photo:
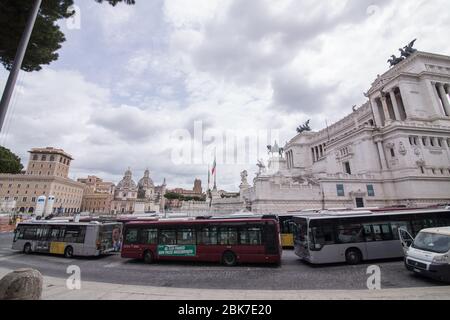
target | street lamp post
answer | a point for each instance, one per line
(20, 54)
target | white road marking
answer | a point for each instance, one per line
(112, 265)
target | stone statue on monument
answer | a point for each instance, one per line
(304, 127)
(394, 60)
(405, 52)
(244, 175)
(261, 167)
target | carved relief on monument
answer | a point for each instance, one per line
(306, 180)
(402, 149)
(417, 151)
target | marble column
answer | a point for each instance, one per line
(291, 157)
(395, 105)
(382, 155)
(376, 112)
(444, 98)
(404, 101)
(387, 116)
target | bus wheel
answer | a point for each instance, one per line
(148, 257)
(353, 256)
(68, 253)
(27, 248)
(229, 259)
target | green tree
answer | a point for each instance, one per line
(9, 162)
(47, 36)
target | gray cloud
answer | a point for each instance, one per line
(128, 123)
(233, 47)
(292, 93)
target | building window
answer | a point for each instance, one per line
(392, 152)
(439, 140)
(24, 199)
(347, 168)
(44, 158)
(52, 158)
(432, 142)
(424, 141)
(340, 190)
(413, 141)
(35, 157)
(370, 190)
(33, 199)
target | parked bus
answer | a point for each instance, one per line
(67, 238)
(332, 237)
(286, 230)
(229, 241)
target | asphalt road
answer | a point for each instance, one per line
(293, 274)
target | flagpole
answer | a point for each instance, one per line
(215, 169)
(209, 178)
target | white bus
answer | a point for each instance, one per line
(333, 237)
(67, 238)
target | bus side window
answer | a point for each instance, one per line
(186, 236)
(348, 233)
(368, 233)
(167, 237)
(131, 236)
(208, 236)
(74, 234)
(30, 233)
(227, 236)
(42, 232)
(250, 236)
(149, 236)
(399, 225)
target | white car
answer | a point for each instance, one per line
(428, 254)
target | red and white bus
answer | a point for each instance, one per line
(228, 241)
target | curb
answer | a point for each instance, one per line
(56, 289)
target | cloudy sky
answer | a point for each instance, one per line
(157, 84)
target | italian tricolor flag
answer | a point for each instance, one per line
(213, 171)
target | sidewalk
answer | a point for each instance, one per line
(55, 289)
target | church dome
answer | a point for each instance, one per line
(146, 182)
(127, 181)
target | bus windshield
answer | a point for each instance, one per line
(301, 232)
(432, 242)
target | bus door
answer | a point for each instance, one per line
(271, 239)
(405, 238)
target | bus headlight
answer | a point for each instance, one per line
(441, 259)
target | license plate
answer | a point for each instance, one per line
(417, 270)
